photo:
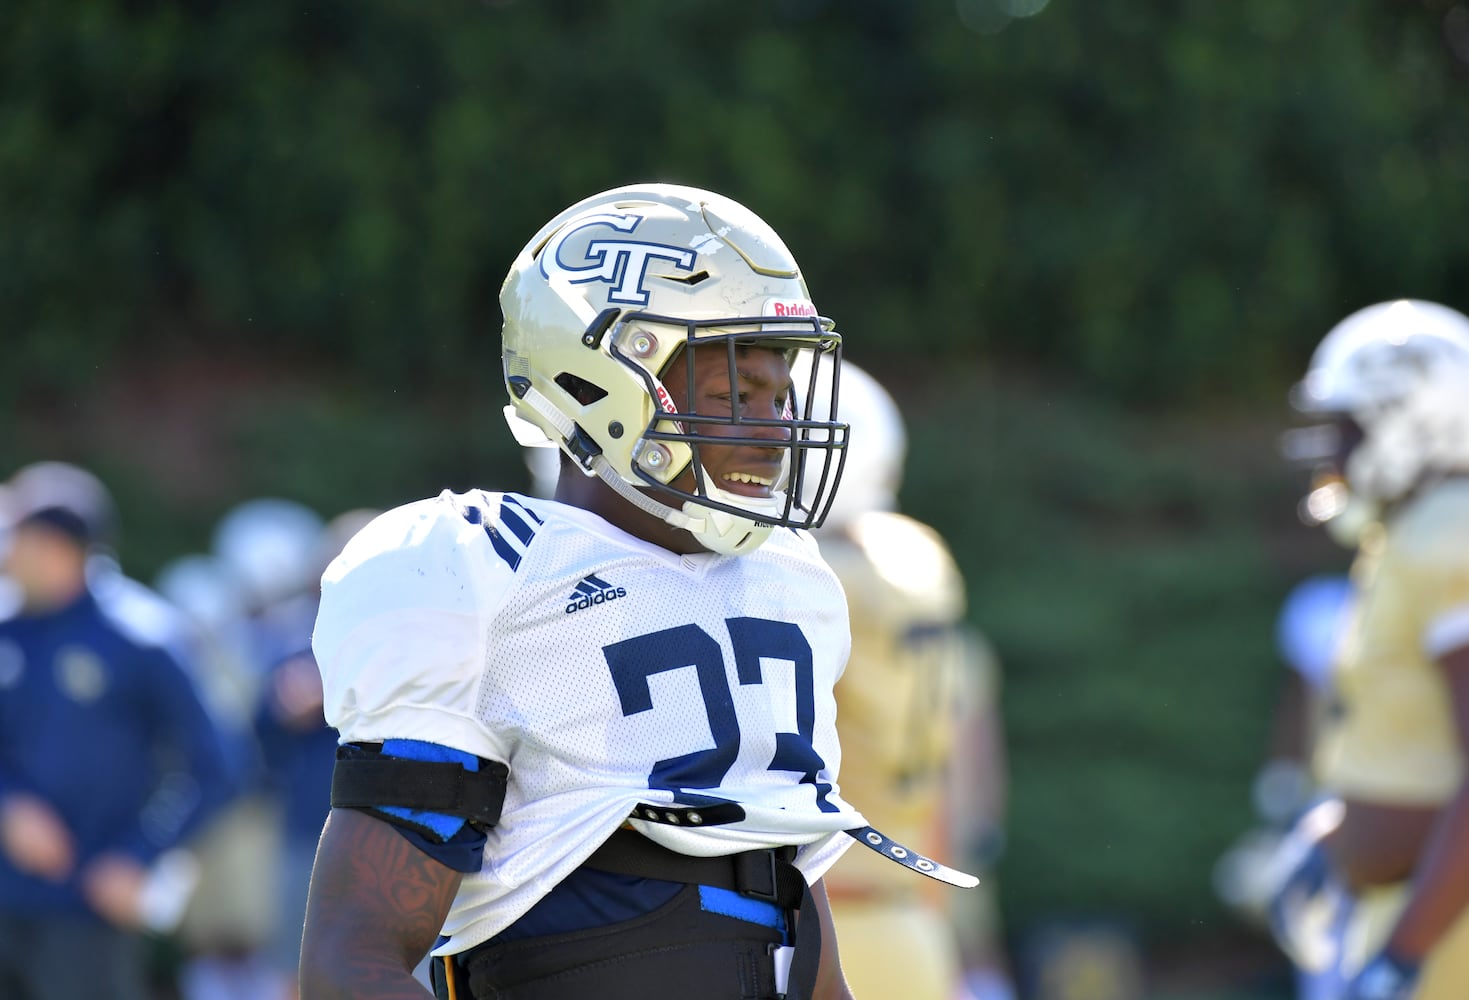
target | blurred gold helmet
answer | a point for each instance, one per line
(601, 301)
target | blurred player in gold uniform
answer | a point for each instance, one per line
(919, 733)
(1385, 865)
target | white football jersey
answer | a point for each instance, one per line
(603, 670)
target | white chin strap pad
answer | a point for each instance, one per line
(725, 533)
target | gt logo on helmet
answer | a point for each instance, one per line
(621, 263)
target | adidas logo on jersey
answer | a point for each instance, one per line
(592, 590)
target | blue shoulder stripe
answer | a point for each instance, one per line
(503, 548)
(508, 499)
(510, 520)
(518, 527)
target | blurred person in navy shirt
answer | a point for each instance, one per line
(109, 761)
(299, 748)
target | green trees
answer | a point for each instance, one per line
(1169, 200)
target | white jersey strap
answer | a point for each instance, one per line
(865, 835)
(715, 814)
(894, 851)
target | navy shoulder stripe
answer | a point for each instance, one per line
(508, 500)
(511, 521)
(517, 526)
(502, 547)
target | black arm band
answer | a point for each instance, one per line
(365, 779)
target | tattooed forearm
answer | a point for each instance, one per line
(383, 872)
(376, 906)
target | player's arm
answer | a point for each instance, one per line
(376, 905)
(1441, 880)
(400, 624)
(831, 984)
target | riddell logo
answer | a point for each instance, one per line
(796, 307)
(592, 591)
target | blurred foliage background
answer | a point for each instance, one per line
(255, 249)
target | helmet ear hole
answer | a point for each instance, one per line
(584, 392)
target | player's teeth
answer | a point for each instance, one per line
(745, 477)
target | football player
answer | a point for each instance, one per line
(919, 732)
(588, 745)
(1392, 383)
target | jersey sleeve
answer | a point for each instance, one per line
(1448, 632)
(401, 634)
(1432, 559)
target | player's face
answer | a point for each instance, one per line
(760, 390)
(43, 564)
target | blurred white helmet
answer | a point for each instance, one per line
(203, 588)
(1394, 379)
(63, 496)
(599, 303)
(272, 547)
(873, 471)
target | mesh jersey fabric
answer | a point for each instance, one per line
(603, 670)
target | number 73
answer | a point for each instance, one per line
(634, 661)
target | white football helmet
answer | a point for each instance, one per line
(873, 472)
(270, 546)
(605, 296)
(204, 589)
(1394, 380)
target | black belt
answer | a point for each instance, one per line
(764, 874)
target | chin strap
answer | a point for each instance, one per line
(599, 465)
(717, 531)
(639, 499)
